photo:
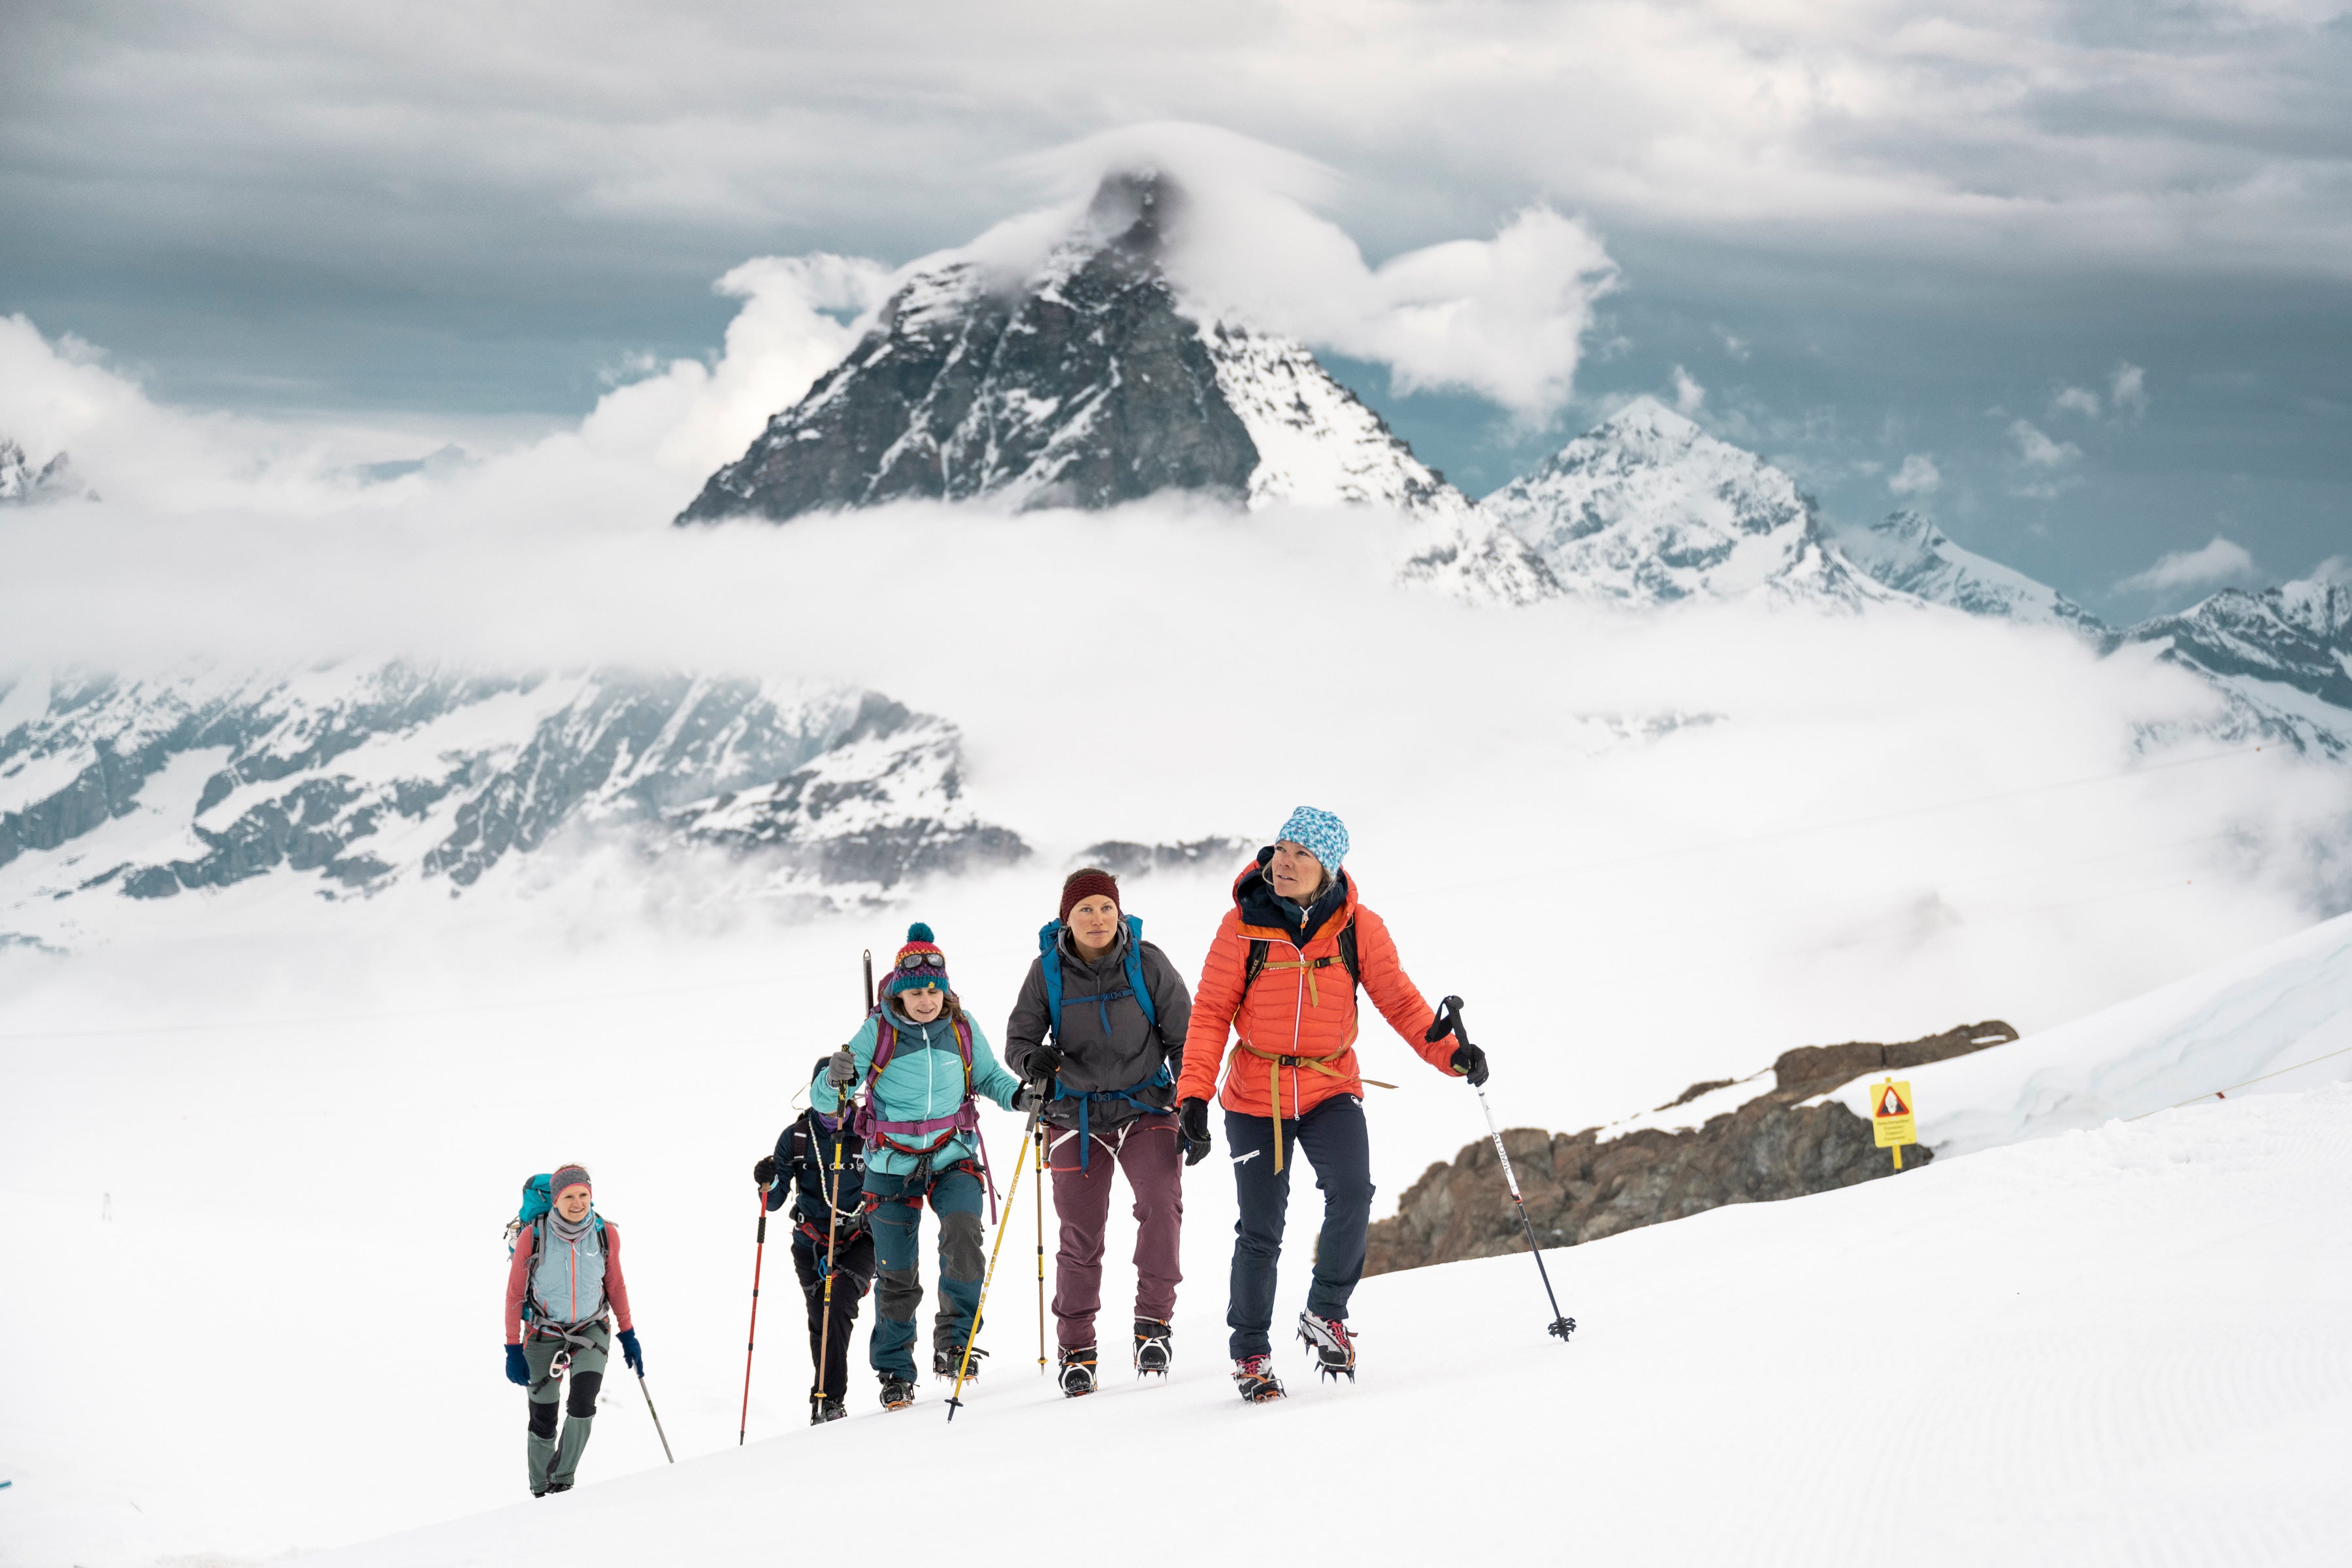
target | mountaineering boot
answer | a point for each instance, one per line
(1151, 1349)
(943, 1363)
(1254, 1376)
(1330, 1342)
(1077, 1370)
(822, 1410)
(898, 1393)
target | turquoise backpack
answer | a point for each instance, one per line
(1049, 959)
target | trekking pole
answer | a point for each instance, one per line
(1040, 1136)
(963, 1362)
(657, 1416)
(832, 1228)
(1449, 1021)
(759, 1256)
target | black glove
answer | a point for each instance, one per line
(1045, 1060)
(764, 1173)
(842, 1071)
(1471, 1062)
(1192, 1126)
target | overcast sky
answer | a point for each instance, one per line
(2076, 278)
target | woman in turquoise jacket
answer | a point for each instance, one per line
(921, 1125)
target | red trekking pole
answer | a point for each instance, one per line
(759, 1256)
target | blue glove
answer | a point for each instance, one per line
(631, 1354)
(518, 1369)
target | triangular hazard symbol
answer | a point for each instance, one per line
(1891, 1103)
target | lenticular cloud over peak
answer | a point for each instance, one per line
(1503, 316)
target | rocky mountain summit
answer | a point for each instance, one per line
(351, 778)
(1908, 553)
(1729, 1141)
(1648, 509)
(1086, 382)
(21, 484)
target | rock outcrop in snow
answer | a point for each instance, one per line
(1086, 382)
(1725, 1142)
(1907, 552)
(356, 776)
(1648, 509)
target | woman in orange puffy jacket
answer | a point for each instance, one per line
(1281, 976)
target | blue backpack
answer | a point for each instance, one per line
(1049, 959)
(537, 1204)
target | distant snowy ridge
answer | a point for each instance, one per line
(1908, 553)
(356, 777)
(1087, 383)
(2282, 658)
(1648, 508)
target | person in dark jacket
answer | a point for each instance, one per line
(1112, 1065)
(819, 1168)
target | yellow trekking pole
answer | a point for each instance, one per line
(963, 1362)
(832, 1230)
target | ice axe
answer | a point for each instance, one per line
(1449, 1022)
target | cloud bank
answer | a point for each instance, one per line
(2210, 565)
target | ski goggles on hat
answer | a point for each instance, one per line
(923, 961)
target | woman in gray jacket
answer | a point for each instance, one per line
(1100, 1021)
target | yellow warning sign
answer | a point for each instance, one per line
(1891, 1117)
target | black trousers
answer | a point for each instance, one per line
(853, 1262)
(1333, 1138)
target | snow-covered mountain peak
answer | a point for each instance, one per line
(1907, 552)
(2282, 658)
(1647, 507)
(22, 484)
(1646, 424)
(1083, 378)
(2316, 607)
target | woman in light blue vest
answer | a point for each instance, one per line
(920, 1060)
(564, 1296)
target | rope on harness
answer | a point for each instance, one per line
(1274, 1066)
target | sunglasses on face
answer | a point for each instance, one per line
(922, 961)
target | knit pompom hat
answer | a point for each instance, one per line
(1080, 886)
(929, 968)
(1319, 833)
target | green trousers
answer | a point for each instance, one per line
(554, 1460)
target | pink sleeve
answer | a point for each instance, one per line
(517, 1282)
(616, 1290)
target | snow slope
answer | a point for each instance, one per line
(2063, 1309)
(2263, 1015)
(2122, 1346)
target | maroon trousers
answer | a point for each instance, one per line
(1152, 1158)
